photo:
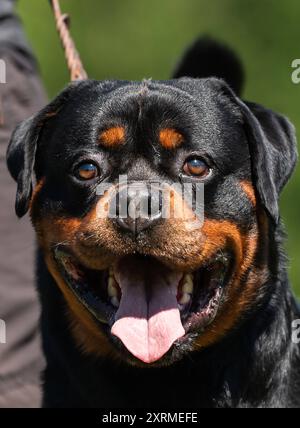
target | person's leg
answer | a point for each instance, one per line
(20, 357)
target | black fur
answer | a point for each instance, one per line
(256, 364)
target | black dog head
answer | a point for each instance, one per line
(156, 285)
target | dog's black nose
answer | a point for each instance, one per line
(138, 207)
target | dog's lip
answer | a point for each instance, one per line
(197, 316)
(99, 308)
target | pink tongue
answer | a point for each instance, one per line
(148, 319)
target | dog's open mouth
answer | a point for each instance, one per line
(148, 306)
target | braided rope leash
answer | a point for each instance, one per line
(74, 63)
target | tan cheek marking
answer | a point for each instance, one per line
(51, 231)
(239, 298)
(112, 137)
(218, 234)
(170, 138)
(250, 192)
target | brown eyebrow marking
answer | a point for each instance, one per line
(170, 138)
(112, 137)
(249, 190)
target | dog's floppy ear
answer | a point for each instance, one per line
(23, 146)
(21, 158)
(273, 150)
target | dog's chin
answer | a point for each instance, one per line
(176, 316)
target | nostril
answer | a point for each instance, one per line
(150, 206)
(117, 207)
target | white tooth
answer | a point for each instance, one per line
(111, 272)
(188, 284)
(189, 277)
(187, 288)
(112, 289)
(115, 302)
(185, 299)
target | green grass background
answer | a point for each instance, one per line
(133, 39)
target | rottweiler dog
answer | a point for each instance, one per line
(142, 309)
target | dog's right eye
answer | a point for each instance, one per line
(87, 171)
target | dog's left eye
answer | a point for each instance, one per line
(87, 171)
(196, 167)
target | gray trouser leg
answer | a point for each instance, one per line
(21, 359)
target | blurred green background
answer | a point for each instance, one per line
(133, 39)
